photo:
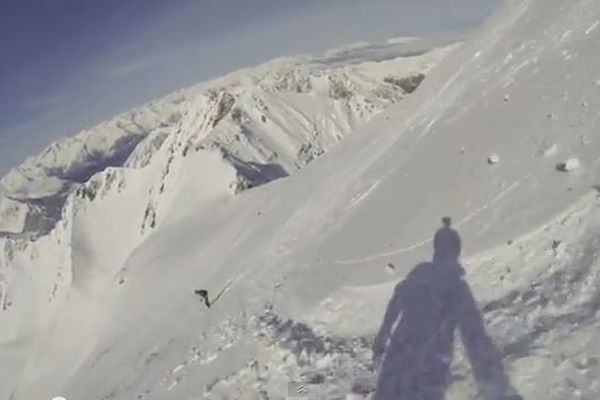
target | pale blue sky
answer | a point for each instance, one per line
(68, 64)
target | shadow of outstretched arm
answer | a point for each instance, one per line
(484, 356)
(392, 317)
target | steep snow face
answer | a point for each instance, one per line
(307, 273)
(13, 214)
(74, 215)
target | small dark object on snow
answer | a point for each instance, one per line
(204, 294)
(555, 244)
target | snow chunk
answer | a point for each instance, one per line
(569, 165)
(493, 159)
(550, 150)
(592, 27)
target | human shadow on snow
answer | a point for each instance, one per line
(413, 350)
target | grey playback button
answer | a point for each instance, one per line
(300, 390)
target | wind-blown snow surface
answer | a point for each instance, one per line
(304, 260)
(74, 215)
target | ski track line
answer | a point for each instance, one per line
(417, 245)
(497, 198)
(224, 290)
(358, 198)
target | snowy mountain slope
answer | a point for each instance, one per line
(304, 104)
(303, 261)
(73, 215)
(378, 200)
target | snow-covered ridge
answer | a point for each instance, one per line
(333, 276)
(277, 117)
(71, 217)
